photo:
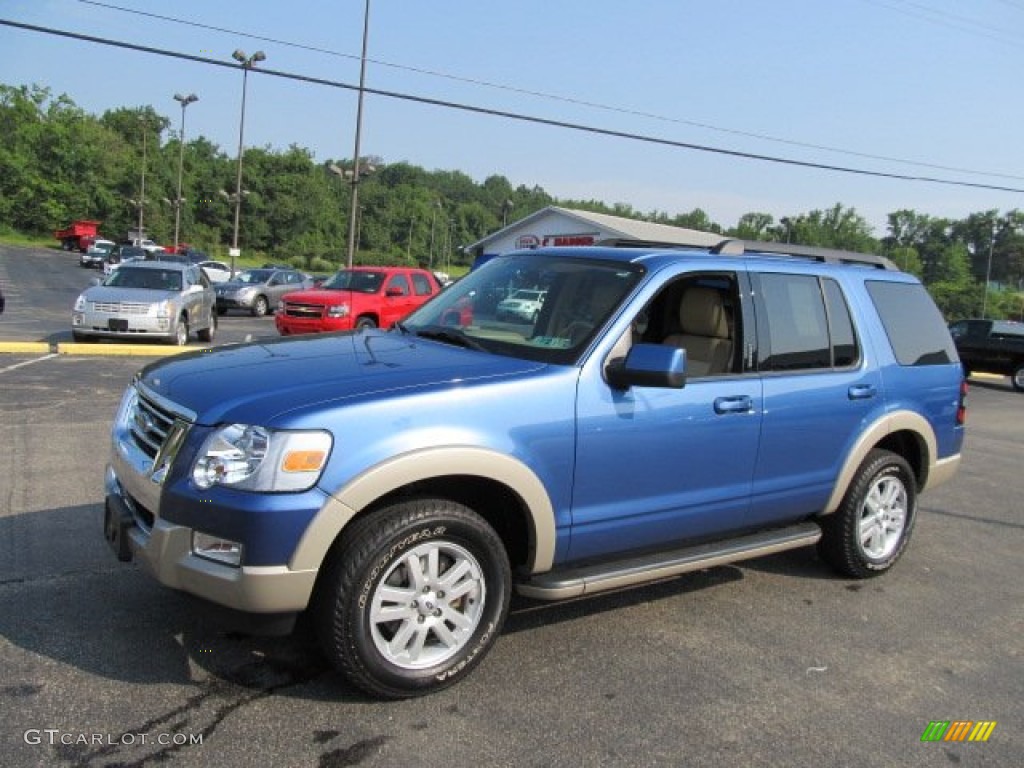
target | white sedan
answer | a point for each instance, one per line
(216, 271)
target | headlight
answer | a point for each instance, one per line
(259, 459)
(162, 308)
(338, 310)
(80, 303)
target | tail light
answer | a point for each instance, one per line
(961, 408)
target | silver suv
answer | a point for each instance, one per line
(147, 299)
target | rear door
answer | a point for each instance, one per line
(819, 392)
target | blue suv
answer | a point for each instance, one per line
(666, 410)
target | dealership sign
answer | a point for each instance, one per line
(532, 241)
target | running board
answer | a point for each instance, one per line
(590, 579)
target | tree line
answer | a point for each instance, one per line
(59, 163)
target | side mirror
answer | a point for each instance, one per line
(648, 365)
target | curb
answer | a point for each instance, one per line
(98, 350)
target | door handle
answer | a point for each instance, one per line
(737, 404)
(862, 392)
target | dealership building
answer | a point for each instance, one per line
(554, 226)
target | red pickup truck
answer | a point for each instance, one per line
(361, 297)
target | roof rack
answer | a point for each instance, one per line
(733, 247)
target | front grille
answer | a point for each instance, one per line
(303, 310)
(150, 425)
(121, 307)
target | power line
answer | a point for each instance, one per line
(560, 98)
(514, 115)
(946, 19)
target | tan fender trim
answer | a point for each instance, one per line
(424, 465)
(889, 423)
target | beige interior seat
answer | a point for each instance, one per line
(704, 332)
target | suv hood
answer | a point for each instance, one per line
(113, 293)
(262, 382)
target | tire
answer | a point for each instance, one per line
(206, 334)
(871, 528)
(432, 641)
(180, 336)
(365, 322)
(1017, 377)
(260, 306)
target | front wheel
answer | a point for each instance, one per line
(869, 531)
(413, 597)
(1017, 377)
(180, 336)
(260, 307)
(365, 322)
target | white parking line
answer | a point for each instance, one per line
(28, 362)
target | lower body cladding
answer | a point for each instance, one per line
(204, 565)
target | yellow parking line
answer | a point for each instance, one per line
(126, 350)
(25, 347)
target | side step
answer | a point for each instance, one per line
(590, 579)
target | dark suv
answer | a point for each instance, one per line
(666, 410)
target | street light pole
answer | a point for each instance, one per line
(356, 163)
(184, 101)
(247, 63)
(142, 186)
(988, 271)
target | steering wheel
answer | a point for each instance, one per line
(577, 330)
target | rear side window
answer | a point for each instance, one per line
(421, 284)
(916, 330)
(804, 324)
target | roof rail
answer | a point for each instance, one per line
(733, 247)
(629, 242)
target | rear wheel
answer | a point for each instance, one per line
(206, 334)
(413, 597)
(871, 528)
(1017, 377)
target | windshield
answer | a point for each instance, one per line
(151, 279)
(358, 280)
(254, 276)
(575, 298)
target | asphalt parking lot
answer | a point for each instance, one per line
(772, 662)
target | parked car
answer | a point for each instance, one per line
(147, 300)
(523, 305)
(122, 254)
(217, 271)
(361, 297)
(96, 254)
(991, 346)
(257, 290)
(669, 411)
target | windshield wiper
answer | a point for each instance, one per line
(450, 336)
(401, 327)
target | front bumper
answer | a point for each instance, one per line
(165, 550)
(111, 325)
(235, 301)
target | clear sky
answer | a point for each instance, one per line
(911, 87)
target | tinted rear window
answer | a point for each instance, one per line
(916, 331)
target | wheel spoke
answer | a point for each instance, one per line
(451, 578)
(390, 594)
(385, 613)
(456, 617)
(400, 641)
(445, 635)
(416, 578)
